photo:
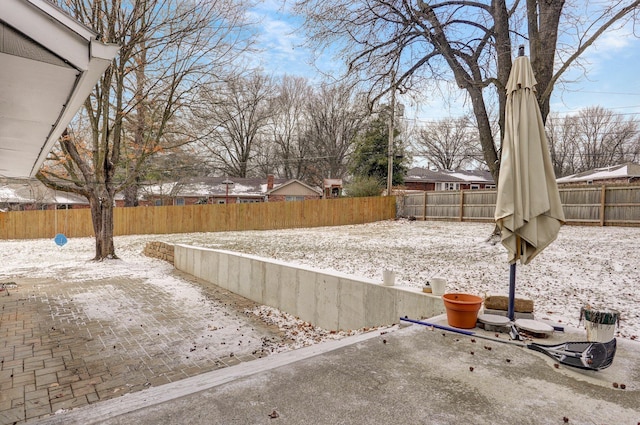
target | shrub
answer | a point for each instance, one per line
(363, 186)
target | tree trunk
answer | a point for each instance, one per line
(131, 191)
(131, 194)
(484, 130)
(544, 19)
(102, 219)
(503, 49)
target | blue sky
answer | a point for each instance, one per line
(610, 80)
(281, 40)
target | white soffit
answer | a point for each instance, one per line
(49, 63)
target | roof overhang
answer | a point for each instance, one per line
(49, 63)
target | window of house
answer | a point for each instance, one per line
(448, 186)
(157, 202)
(293, 198)
(474, 186)
(489, 186)
(221, 201)
(179, 202)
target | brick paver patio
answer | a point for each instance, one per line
(54, 356)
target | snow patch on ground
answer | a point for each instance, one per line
(585, 265)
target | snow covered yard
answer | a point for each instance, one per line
(585, 265)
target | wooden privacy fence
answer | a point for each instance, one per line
(586, 205)
(200, 218)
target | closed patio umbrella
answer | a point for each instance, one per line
(528, 208)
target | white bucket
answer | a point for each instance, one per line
(388, 277)
(600, 324)
(438, 285)
(598, 332)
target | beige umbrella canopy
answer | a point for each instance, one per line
(528, 208)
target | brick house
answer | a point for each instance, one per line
(424, 179)
(205, 190)
(223, 190)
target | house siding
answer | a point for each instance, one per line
(292, 188)
(431, 186)
(420, 185)
(280, 198)
(599, 182)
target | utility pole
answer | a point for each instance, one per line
(227, 182)
(391, 131)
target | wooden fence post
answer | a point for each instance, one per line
(424, 210)
(461, 205)
(603, 200)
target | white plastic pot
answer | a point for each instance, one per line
(438, 285)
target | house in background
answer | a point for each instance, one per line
(424, 179)
(225, 190)
(332, 188)
(293, 190)
(617, 174)
(205, 190)
(31, 194)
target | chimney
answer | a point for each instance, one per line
(270, 182)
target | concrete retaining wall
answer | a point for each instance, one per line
(332, 301)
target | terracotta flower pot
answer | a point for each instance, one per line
(462, 309)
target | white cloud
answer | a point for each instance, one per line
(606, 78)
(280, 41)
(615, 40)
(281, 36)
(611, 47)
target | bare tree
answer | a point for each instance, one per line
(235, 114)
(448, 144)
(468, 42)
(167, 48)
(176, 164)
(563, 143)
(334, 118)
(594, 138)
(291, 148)
(604, 139)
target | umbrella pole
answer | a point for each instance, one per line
(512, 281)
(512, 291)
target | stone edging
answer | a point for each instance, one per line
(161, 250)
